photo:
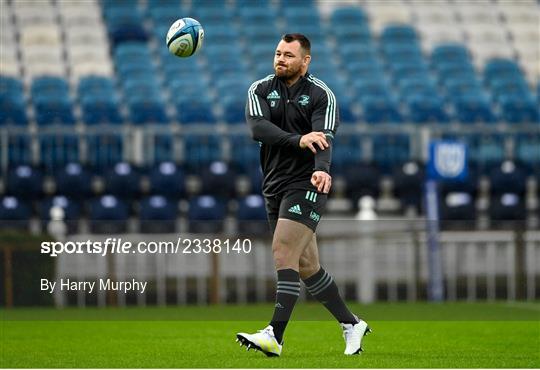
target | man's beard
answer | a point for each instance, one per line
(287, 73)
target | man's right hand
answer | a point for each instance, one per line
(309, 141)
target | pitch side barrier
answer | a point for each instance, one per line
(383, 260)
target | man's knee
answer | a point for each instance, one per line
(308, 267)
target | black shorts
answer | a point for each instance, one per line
(304, 206)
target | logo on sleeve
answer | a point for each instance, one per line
(303, 100)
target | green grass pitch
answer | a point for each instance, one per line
(480, 335)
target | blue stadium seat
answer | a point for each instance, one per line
(52, 109)
(254, 13)
(108, 215)
(346, 112)
(163, 147)
(457, 207)
(58, 150)
(218, 179)
(349, 15)
(360, 53)
(123, 181)
(25, 181)
(268, 35)
(346, 151)
(157, 215)
(149, 109)
(12, 102)
(390, 151)
(105, 150)
(214, 15)
(450, 70)
(206, 214)
(72, 211)
(234, 109)
(141, 86)
(167, 179)
(450, 53)
(364, 68)
(251, 216)
(508, 188)
(73, 181)
(472, 108)
(255, 180)
(380, 109)
(125, 23)
(357, 33)
(49, 85)
(18, 149)
(299, 5)
(463, 85)
(97, 110)
(501, 68)
(398, 52)
(485, 150)
(403, 68)
(201, 150)
(408, 179)
(371, 87)
(211, 4)
(51, 100)
(417, 86)
(232, 85)
(362, 180)
(131, 50)
(507, 209)
(398, 33)
(515, 87)
(426, 109)
(508, 177)
(302, 13)
(13, 109)
(14, 213)
(220, 32)
(195, 110)
(516, 109)
(244, 153)
(228, 66)
(528, 151)
(457, 202)
(95, 85)
(164, 13)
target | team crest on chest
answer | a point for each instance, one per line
(303, 100)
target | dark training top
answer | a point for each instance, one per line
(278, 116)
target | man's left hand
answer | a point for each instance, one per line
(322, 181)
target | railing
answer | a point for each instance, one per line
(375, 260)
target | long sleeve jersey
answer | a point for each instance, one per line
(278, 116)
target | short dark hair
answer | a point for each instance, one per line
(302, 39)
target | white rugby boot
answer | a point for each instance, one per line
(353, 335)
(264, 341)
